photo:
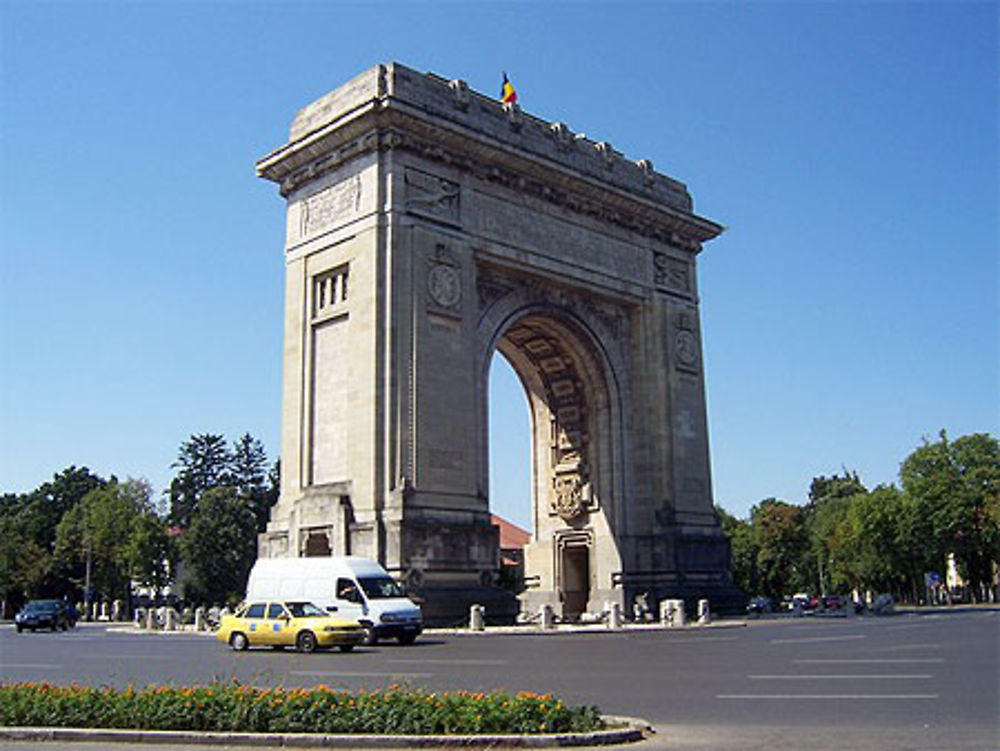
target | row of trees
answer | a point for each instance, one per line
(885, 539)
(81, 529)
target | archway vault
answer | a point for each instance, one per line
(428, 227)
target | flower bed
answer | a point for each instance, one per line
(238, 708)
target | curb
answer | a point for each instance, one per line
(494, 630)
(635, 730)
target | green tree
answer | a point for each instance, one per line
(830, 499)
(23, 565)
(204, 462)
(28, 536)
(780, 531)
(956, 485)
(102, 531)
(251, 478)
(219, 547)
(744, 549)
(150, 554)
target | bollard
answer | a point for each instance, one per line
(477, 618)
(116, 610)
(139, 618)
(704, 615)
(614, 615)
(151, 623)
(672, 613)
(170, 620)
(104, 612)
(199, 618)
(547, 616)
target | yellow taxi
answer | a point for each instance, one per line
(288, 624)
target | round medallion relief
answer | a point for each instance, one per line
(444, 286)
(687, 347)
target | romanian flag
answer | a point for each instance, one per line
(507, 93)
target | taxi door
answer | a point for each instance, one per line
(275, 629)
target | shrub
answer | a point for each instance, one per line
(234, 707)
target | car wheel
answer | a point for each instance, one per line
(239, 641)
(346, 647)
(371, 639)
(406, 639)
(306, 642)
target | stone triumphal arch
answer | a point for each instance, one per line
(427, 228)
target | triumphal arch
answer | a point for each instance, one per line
(429, 227)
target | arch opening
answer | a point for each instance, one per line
(571, 555)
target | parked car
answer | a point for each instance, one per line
(288, 624)
(760, 605)
(36, 614)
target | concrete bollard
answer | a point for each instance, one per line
(116, 610)
(199, 619)
(547, 616)
(170, 620)
(477, 618)
(105, 615)
(614, 615)
(151, 623)
(672, 613)
(704, 615)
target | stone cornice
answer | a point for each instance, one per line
(392, 107)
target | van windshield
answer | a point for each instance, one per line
(380, 587)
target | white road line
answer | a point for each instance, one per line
(805, 639)
(345, 674)
(873, 661)
(914, 676)
(448, 662)
(901, 647)
(829, 697)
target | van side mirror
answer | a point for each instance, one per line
(331, 608)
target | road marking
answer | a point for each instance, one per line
(687, 639)
(806, 639)
(915, 676)
(449, 662)
(30, 666)
(345, 674)
(912, 646)
(830, 697)
(873, 661)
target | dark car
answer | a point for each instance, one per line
(760, 605)
(51, 614)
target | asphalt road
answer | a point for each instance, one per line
(908, 681)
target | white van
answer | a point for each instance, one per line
(350, 586)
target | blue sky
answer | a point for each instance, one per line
(849, 310)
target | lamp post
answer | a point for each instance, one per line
(86, 586)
